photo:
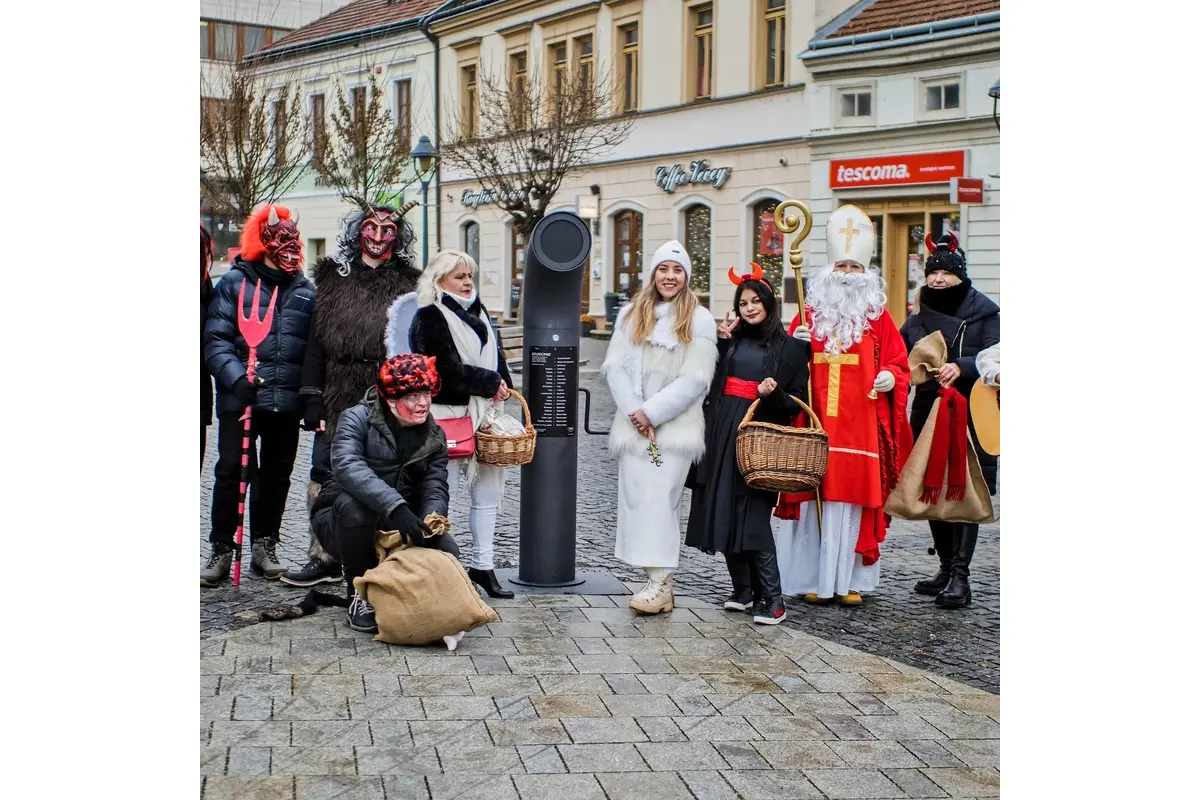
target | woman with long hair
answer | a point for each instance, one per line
(453, 326)
(757, 359)
(206, 385)
(658, 367)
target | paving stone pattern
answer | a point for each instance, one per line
(893, 622)
(310, 709)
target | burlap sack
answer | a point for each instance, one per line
(905, 500)
(420, 594)
(926, 358)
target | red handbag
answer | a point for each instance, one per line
(460, 436)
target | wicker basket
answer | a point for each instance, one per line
(508, 451)
(778, 458)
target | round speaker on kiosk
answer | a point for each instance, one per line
(561, 241)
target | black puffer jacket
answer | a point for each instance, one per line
(366, 464)
(974, 326)
(280, 356)
(430, 336)
(206, 389)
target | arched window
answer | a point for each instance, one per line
(627, 253)
(471, 241)
(768, 242)
(697, 240)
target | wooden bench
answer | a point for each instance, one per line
(512, 346)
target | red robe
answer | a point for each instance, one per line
(866, 450)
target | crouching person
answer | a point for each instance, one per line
(389, 473)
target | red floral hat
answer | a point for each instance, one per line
(407, 373)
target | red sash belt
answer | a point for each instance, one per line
(740, 388)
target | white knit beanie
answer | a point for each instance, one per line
(671, 251)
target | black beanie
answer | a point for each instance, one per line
(946, 255)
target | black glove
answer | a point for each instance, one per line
(411, 528)
(244, 392)
(314, 412)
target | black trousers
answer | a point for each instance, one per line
(347, 531)
(270, 473)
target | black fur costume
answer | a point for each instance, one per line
(345, 344)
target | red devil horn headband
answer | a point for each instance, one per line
(756, 274)
(931, 245)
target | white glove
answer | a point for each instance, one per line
(885, 381)
(802, 334)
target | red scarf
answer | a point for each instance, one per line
(949, 445)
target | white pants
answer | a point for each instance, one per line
(486, 494)
(649, 500)
(823, 562)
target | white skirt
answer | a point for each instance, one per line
(649, 499)
(826, 565)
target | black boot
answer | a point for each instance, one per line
(487, 579)
(742, 597)
(957, 593)
(770, 610)
(943, 533)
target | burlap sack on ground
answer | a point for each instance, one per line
(905, 500)
(420, 594)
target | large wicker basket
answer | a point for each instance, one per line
(508, 451)
(779, 458)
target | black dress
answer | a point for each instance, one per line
(728, 516)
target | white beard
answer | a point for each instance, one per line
(843, 305)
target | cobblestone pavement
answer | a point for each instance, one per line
(575, 698)
(894, 622)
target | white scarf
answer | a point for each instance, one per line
(663, 335)
(466, 341)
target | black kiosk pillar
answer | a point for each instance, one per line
(554, 265)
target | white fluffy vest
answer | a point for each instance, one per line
(666, 379)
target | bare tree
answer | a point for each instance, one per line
(362, 152)
(253, 142)
(520, 138)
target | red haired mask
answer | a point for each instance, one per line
(281, 241)
(755, 274)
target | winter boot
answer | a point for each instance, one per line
(657, 596)
(360, 616)
(490, 583)
(263, 559)
(942, 536)
(770, 610)
(321, 567)
(957, 593)
(218, 566)
(742, 597)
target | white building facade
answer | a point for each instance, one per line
(896, 114)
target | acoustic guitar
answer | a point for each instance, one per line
(985, 414)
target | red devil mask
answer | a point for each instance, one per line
(281, 240)
(379, 231)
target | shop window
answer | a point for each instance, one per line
(854, 105)
(768, 242)
(627, 261)
(471, 240)
(702, 52)
(774, 42)
(697, 240)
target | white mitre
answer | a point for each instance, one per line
(850, 236)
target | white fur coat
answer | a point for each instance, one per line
(664, 378)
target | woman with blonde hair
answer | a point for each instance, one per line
(658, 367)
(452, 326)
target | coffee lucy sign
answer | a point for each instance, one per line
(670, 178)
(902, 170)
(483, 197)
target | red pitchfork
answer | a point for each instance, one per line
(253, 330)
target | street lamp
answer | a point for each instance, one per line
(994, 93)
(426, 156)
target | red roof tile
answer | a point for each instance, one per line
(356, 16)
(885, 15)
